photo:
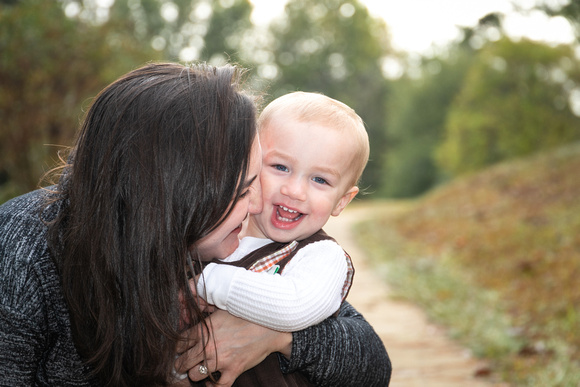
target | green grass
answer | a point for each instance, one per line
(495, 257)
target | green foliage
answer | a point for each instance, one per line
(514, 102)
(335, 47)
(416, 124)
(228, 26)
(49, 65)
(211, 30)
(52, 64)
(145, 20)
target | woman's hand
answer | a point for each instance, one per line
(234, 346)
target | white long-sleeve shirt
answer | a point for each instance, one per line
(307, 292)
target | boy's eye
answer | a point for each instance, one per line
(319, 180)
(280, 167)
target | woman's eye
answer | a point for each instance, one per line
(280, 168)
(244, 194)
(319, 180)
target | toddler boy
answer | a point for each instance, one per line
(289, 273)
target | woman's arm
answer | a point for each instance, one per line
(36, 346)
(341, 351)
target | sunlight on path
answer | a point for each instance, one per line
(421, 354)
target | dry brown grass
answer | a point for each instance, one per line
(515, 230)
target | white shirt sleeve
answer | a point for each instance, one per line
(308, 291)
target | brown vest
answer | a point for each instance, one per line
(268, 373)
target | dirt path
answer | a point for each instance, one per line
(421, 353)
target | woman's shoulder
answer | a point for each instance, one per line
(22, 225)
(25, 261)
(32, 200)
(33, 312)
(23, 208)
(25, 215)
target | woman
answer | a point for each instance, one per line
(166, 163)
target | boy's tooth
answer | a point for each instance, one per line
(287, 209)
(284, 219)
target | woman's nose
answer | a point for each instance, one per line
(255, 206)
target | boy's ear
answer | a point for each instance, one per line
(344, 200)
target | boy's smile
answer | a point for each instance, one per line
(305, 175)
(285, 218)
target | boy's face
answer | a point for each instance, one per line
(306, 172)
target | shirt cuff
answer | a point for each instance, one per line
(214, 284)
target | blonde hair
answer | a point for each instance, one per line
(326, 111)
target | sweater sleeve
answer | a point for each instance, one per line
(341, 351)
(21, 339)
(307, 292)
(36, 346)
(22, 319)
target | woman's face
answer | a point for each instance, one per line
(222, 241)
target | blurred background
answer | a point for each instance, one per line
(473, 112)
(444, 87)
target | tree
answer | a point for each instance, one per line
(55, 55)
(417, 116)
(416, 123)
(49, 66)
(517, 99)
(335, 47)
(186, 30)
(226, 32)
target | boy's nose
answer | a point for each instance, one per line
(294, 189)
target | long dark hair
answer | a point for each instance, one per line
(157, 165)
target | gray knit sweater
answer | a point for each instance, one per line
(36, 346)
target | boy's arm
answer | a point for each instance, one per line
(307, 292)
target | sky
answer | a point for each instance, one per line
(439, 20)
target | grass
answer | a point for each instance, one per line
(495, 257)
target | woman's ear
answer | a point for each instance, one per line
(344, 200)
